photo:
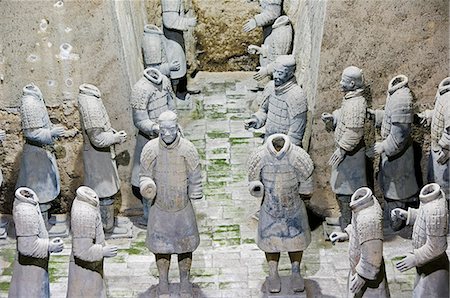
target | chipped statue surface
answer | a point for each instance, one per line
(86, 278)
(30, 276)
(281, 172)
(429, 240)
(170, 178)
(367, 276)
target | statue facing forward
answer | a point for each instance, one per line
(280, 172)
(170, 177)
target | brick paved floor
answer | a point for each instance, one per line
(228, 262)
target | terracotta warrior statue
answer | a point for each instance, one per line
(30, 276)
(278, 43)
(175, 22)
(100, 169)
(429, 241)
(270, 11)
(151, 96)
(348, 162)
(368, 272)
(438, 162)
(396, 151)
(170, 178)
(281, 173)
(284, 107)
(38, 168)
(88, 247)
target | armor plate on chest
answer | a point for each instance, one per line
(157, 104)
(34, 113)
(93, 113)
(441, 115)
(277, 116)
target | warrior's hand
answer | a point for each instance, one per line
(57, 131)
(250, 25)
(250, 123)
(155, 129)
(337, 157)
(55, 245)
(327, 117)
(399, 213)
(147, 188)
(256, 188)
(425, 117)
(261, 74)
(356, 283)
(443, 156)
(370, 114)
(121, 136)
(338, 236)
(407, 263)
(110, 251)
(175, 65)
(378, 147)
(253, 49)
(192, 22)
(2, 135)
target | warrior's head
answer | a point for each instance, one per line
(168, 127)
(352, 79)
(284, 68)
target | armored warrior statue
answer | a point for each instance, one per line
(174, 23)
(280, 173)
(163, 54)
(368, 272)
(151, 96)
(38, 168)
(270, 11)
(30, 276)
(100, 170)
(399, 186)
(438, 162)
(278, 43)
(88, 247)
(170, 177)
(284, 107)
(429, 241)
(348, 160)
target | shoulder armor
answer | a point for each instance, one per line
(84, 220)
(189, 152)
(93, 112)
(296, 101)
(302, 162)
(437, 218)
(370, 223)
(141, 93)
(34, 113)
(26, 218)
(355, 113)
(254, 163)
(402, 106)
(149, 153)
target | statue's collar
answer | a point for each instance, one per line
(430, 192)
(87, 195)
(396, 83)
(361, 199)
(286, 86)
(29, 198)
(172, 145)
(354, 93)
(282, 140)
(153, 75)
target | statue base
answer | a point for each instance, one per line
(174, 292)
(286, 290)
(123, 228)
(4, 222)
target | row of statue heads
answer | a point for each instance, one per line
(166, 172)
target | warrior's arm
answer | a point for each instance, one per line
(172, 20)
(268, 15)
(297, 128)
(146, 183)
(351, 138)
(261, 114)
(371, 258)
(39, 135)
(33, 246)
(397, 139)
(434, 247)
(86, 250)
(195, 183)
(171, 97)
(379, 116)
(412, 215)
(444, 142)
(163, 68)
(102, 139)
(142, 122)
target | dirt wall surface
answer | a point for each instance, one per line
(58, 46)
(384, 38)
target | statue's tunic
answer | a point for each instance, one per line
(283, 110)
(175, 169)
(270, 11)
(429, 240)
(30, 275)
(174, 20)
(152, 99)
(397, 176)
(350, 174)
(366, 247)
(440, 137)
(278, 43)
(86, 260)
(283, 222)
(100, 170)
(38, 168)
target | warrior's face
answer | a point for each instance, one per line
(346, 83)
(281, 75)
(168, 131)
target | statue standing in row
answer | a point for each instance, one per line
(281, 173)
(30, 275)
(88, 247)
(151, 96)
(429, 241)
(38, 168)
(348, 161)
(170, 177)
(284, 107)
(367, 276)
(270, 11)
(100, 169)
